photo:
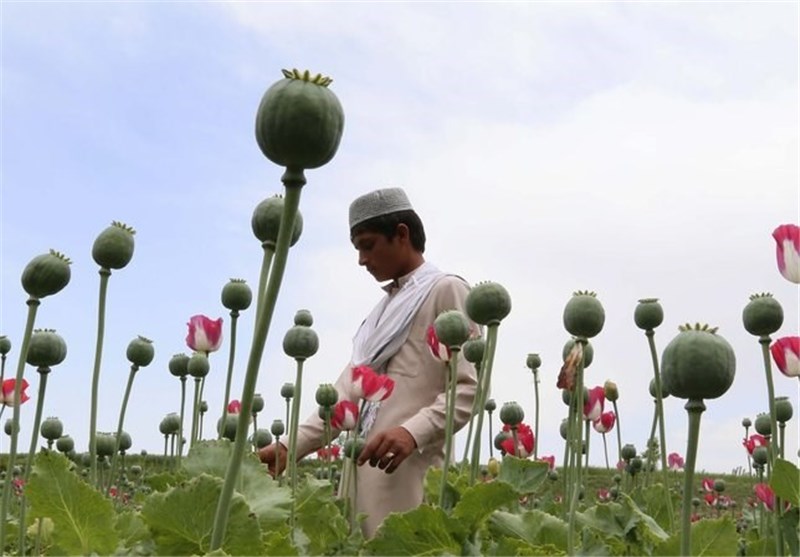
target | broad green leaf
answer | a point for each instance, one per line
(134, 536)
(278, 542)
(785, 481)
(480, 500)
(162, 481)
(182, 520)
(655, 500)
(319, 518)
(269, 501)
(83, 517)
(457, 482)
(788, 523)
(423, 531)
(526, 476)
(709, 537)
(624, 520)
(535, 527)
(514, 546)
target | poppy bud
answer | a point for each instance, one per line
(125, 441)
(746, 422)
(491, 405)
(5, 345)
(628, 452)
(611, 391)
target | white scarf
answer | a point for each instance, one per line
(386, 328)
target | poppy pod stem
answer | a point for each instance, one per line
(619, 435)
(450, 389)
(695, 408)
(485, 384)
(44, 371)
(231, 355)
(33, 304)
(293, 179)
(574, 432)
(195, 411)
(662, 436)
(183, 411)
(536, 413)
(586, 432)
(121, 421)
(292, 455)
(98, 356)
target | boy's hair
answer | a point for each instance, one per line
(387, 225)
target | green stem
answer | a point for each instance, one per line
(166, 449)
(255, 432)
(195, 411)
(619, 432)
(486, 364)
(292, 452)
(605, 451)
(180, 428)
(536, 414)
(120, 422)
(586, 432)
(226, 400)
(293, 180)
(472, 415)
(695, 408)
(98, 356)
(33, 304)
(37, 421)
(661, 424)
(574, 435)
(491, 436)
(2, 367)
(450, 389)
(772, 452)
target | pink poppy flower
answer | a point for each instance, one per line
(753, 442)
(675, 461)
(439, 350)
(593, 407)
(205, 335)
(711, 499)
(9, 385)
(787, 238)
(234, 407)
(708, 484)
(765, 494)
(786, 354)
(605, 422)
(525, 441)
(603, 495)
(345, 415)
(549, 459)
(371, 386)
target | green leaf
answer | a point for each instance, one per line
(534, 526)
(524, 475)
(788, 524)
(319, 518)
(162, 481)
(457, 482)
(709, 537)
(83, 517)
(425, 530)
(513, 546)
(480, 500)
(134, 536)
(266, 498)
(624, 520)
(785, 481)
(278, 542)
(655, 500)
(182, 520)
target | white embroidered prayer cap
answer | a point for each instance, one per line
(378, 203)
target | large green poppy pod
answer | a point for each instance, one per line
(46, 274)
(266, 221)
(300, 121)
(262, 438)
(198, 366)
(488, 303)
(452, 328)
(584, 315)
(46, 349)
(588, 351)
(105, 443)
(763, 424)
(113, 248)
(783, 409)
(353, 447)
(473, 350)
(326, 395)
(648, 314)
(628, 452)
(287, 390)
(300, 342)
(698, 364)
(236, 295)
(140, 351)
(65, 444)
(228, 428)
(511, 414)
(51, 429)
(179, 365)
(763, 315)
(5, 345)
(277, 428)
(760, 455)
(125, 441)
(172, 422)
(258, 404)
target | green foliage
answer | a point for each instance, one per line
(525, 476)
(480, 501)
(320, 520)
(134, 536)
(785, 481)
(182, 520)
(534, 527)
(654, 501)
(788, 524)
(426, 530)
(709, 537)
(83, 517)
(624, 521)
(279, 542)
(457, 482)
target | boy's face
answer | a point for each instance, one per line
(383, 258)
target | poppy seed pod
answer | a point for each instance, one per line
(5, 345)
(277, 428)
(746, 422)
(203, 406)
(140, 351)
(488, 303)
(698, 364)
(125, 441)
(303, 318)
(169, 424)
(198, 365)
(179, 365)
(533, 361)
(783, 409)
(51, 428)
(473, 350)
(266, 221)
(287, 390)
(135, 470)
(499, 438)
(46, 349)
(511, 414)
(760, 455)
(611, 391)
(763, 424)
(493, 466)
(9, 426)
(648, 314)
(105, 443)
(353, 447)
(113, 247)
(628, 452)
(490, 406)
(236, 295)
(46, 274)
(300, 342)
(584, 315)
(563, 428)
(326, 395)
(588, 352)
(719, 485)
(258, 403)
(763, 315)
(228, 430)
(452, 328)
(262, 438)
(65, 444)
(652, 388)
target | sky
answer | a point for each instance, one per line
(635, 149)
